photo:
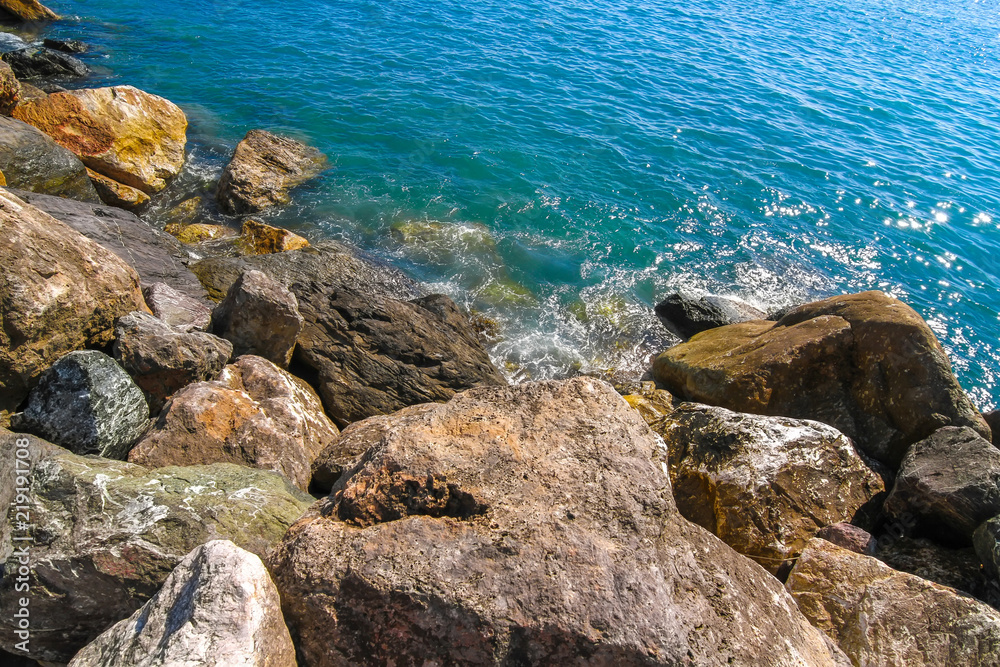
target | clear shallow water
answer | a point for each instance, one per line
(563, 166)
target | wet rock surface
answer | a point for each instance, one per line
(258, 238)
(685, 315)
(37, 62)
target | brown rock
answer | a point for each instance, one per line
(523, 525)
(993, 421)
(122, 132)
(10, 89)
(162, 360)
(651, 403)
(263, 169)
(261, 239)
(255, 415)
(199, 232)
(118, 194)
(865, 363)
(59, 292)
(764, 485)
(260, 317)
(850, 537)
(879, 616)
(177, 309)
(28, 10)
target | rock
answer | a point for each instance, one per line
(948, 484)
(993, 421)
(865, 364)
(256, 414)
(38, 62)
(65, 45)
(263, 169)
(16, 660)
(30, 160)
(849, 537)
(685, 315)
(651, 403)
(764, 485)
(122, 132)
(177, 309)
(986, 541)
(260, 239)
(163, 360)
(86, 403)
(199, 232)
(955, 568)
(118, 194)
(879, 616)
(260, 317)
(59, 292)
(10, 89)
(108, 533)
(523, 525)
(218, 606)
(28, 10)
(183, 214)
(30, 92)
(155, 255)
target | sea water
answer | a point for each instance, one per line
(561, 166)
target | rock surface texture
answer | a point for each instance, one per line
(259, 316)
(255, 415)
(881, 617)
(108, 533)
(986, 540)
(264, 168)
(948, 484)
(685, 315)
(121, 132)
(176, 308)
(163, 360)
(258, 238)
(59, 292)
(10, 89)
(763, 485)
(545, 534)
(218, 607)
(35, 62)
(118, 194)
(28, 10)
(31, 160)
(86, 403)
(866, 364)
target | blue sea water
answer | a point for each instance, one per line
(561, 166)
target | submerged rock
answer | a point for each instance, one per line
(882, 617)
(59, 292)
(260, 317)
(86, 403)
(36, 62)
(685, 315)
(108, 533)
(263, 169)
(177, 309)
(27, 10)
(866, 364)
(124, 133)
(218, 606)
(256, 414)
(31, 160)
(764, 485)
(258, 238)
(568, 548)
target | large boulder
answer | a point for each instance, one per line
(685, 315)
(256, 414)
(86, 403)
(523, 525)
(37, 62)
(154, 254)
(106, 534)
(948, 484)
(866, 364)
(31, 160)
(163, 360)
(10, 89)
(263, 169)
(219, 606)
(122, 132)
(881, 617)
(27, 10)
(259, 316)
(59, 292)
(764, 485)
(176, 308)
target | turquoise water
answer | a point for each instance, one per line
(563, 166)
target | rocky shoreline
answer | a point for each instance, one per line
(226, 444)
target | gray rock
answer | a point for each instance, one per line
(65, 45)
(177, 309)
(219, 606)
(36, 62)
(685, 315)
(259, 316)
(948, 484)
(106, 534)
(993, 419)
(986, 541)
(31, 160)
(955, 568)
(155, 255)
(88, 404)
(162, 360)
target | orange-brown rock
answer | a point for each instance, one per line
(264, 168)
(258, 238)
(117, 194)
(59, 292)
(865, 363)
(28, 10)
(651, 403)
(10, 89)
(121, 132)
